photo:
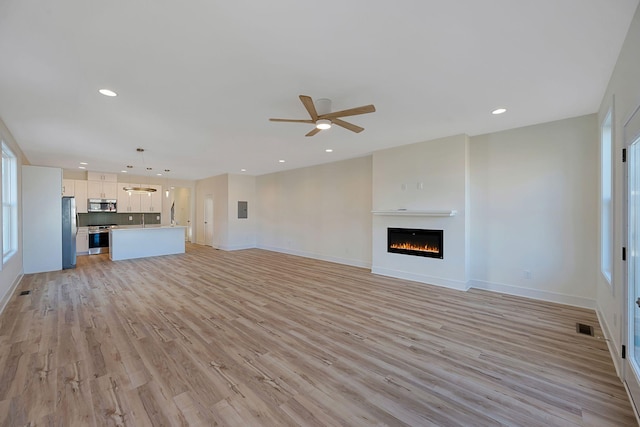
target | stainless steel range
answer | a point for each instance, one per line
(99, 238)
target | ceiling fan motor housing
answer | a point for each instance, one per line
(323, 106)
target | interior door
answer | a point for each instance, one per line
(632, 362)
(208, 220)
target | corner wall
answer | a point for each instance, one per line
(623, 95)
(321, 212)
(534, 201)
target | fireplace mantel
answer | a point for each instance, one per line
(409, 212)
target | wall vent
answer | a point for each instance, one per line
(582, 328)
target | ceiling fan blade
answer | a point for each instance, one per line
(313, 132)
(350, 112)
(308, 104)
(292, 121)
(347, 125)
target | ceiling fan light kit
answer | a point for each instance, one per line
(323, 118)
(323, 124)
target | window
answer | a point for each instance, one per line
(606, 203)
(9, 203)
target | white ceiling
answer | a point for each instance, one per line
(198, 80)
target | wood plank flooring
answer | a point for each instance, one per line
(256, 338)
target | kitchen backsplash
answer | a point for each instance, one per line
(110, 218)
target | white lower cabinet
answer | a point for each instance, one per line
(82, 241)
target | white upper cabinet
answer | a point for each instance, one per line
(127, 201)
(100, 176)
(102, 185)
(80, 188)
(152, 202)
(68, 188)
(139, 202)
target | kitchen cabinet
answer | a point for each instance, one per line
(80, 190)
(82, 241)
(152, 202)
(100, 176)
(102, 185)
(139, 202)
(102, 190)
(127, 201)
(68, 186)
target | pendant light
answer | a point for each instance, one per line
(166, 191)
(140, 189)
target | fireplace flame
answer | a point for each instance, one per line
(412, 247)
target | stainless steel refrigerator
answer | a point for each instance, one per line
(69, 231)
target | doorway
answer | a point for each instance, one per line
(208, 220)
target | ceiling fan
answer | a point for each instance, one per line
(323, 118)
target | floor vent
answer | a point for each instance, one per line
(581, 328)
(25, 293)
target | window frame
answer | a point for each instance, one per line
(606, 197)
(9, 190)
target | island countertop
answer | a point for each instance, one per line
(151, 240)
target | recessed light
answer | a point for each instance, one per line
(81, 167)
(281, 161)
(84, 163)
(123, 171)
(159, 174)
(329, 150)
(243, 170)
(107, 92)
(499, 111)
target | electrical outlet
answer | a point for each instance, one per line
(130, 218)
(527, 274)
(403, 187)
(157, 217)
(420, 186)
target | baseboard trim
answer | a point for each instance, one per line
(337, 260)
(236, 247)
(429, 280)
(7, 297)
(573, 300)
(612, 343)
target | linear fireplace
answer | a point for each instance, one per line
(418, 242)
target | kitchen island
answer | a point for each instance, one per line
(141, 242)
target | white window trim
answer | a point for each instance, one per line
(606, 196)
(12, 203)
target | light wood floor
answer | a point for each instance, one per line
(255, 338)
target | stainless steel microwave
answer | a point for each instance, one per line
(101, 205)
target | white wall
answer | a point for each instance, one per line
(623, 94)
(11, 272)
(441, 167)
(218, 188)
(42, 218)
(242, 232)
(534, 203)
(321, 212)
